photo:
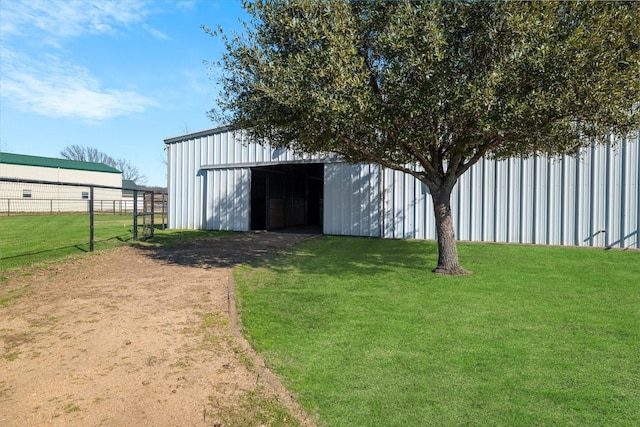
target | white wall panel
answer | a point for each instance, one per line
(225, 199)
(352, 199)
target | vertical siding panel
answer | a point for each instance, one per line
(398, 206)
(222, 146)
(464, 207)
(519, 224)
(387, 197)
(534, 232)
(632, 239)
(585, 188)
(514, 200)
(542, 201)
(615, 231)
(364, 211)
(625, 196)
(554, 194)
(494, 228)
(189, 184)
(328, 210)
(457, 207)
(345, 201)
(635, 208)
(419, 221)
(373, 201)
(475, 203)
(577, 200)
(353, 199)
(409, 206)
(500, 220)
(610, 191)
(174, 191)
(246, 201)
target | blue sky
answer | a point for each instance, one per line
(120, 76)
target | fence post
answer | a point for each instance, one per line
(163, 203)
(153, 202)
(90, 219)
(135, 214)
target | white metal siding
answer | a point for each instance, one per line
(589, 200)
(226, 196)
(352, 199)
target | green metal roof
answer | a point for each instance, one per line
(48, 162)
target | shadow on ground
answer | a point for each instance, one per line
(226, 250)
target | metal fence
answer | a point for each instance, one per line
(37, 215)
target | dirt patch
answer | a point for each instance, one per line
(138, 336)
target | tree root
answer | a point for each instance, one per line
(451, 271)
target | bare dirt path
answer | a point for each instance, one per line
(137, 336)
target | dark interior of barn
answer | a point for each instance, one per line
(287, 197)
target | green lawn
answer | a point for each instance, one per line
(30, 239)
(364, 334)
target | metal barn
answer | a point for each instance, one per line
(219, 180)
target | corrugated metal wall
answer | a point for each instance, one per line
(589, 200)
(352, 199)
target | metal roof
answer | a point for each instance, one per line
(48, 162)
(198, 134)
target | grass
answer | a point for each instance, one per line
(30, 239)
(364, 334)
(254, 410)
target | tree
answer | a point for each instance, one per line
(129, 171)
(89, 154)
(429, 88)
(86, 154)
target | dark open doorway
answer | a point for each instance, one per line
(287, 196)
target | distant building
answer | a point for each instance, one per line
(20, 196)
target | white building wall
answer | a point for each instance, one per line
(226, 197)
(352, 199)
(61, 175)
(58, 198)
(588, 200)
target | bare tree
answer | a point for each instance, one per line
(129, 171)
(86, 154)
(90, 154)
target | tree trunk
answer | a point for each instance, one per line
(447, 249)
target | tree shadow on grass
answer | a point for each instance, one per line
(363, 256)
(335, 255)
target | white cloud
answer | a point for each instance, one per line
(61, 89)
(69, 18)
(155, 33)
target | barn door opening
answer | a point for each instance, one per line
(287, 197)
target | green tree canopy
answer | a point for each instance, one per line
(429, 88)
